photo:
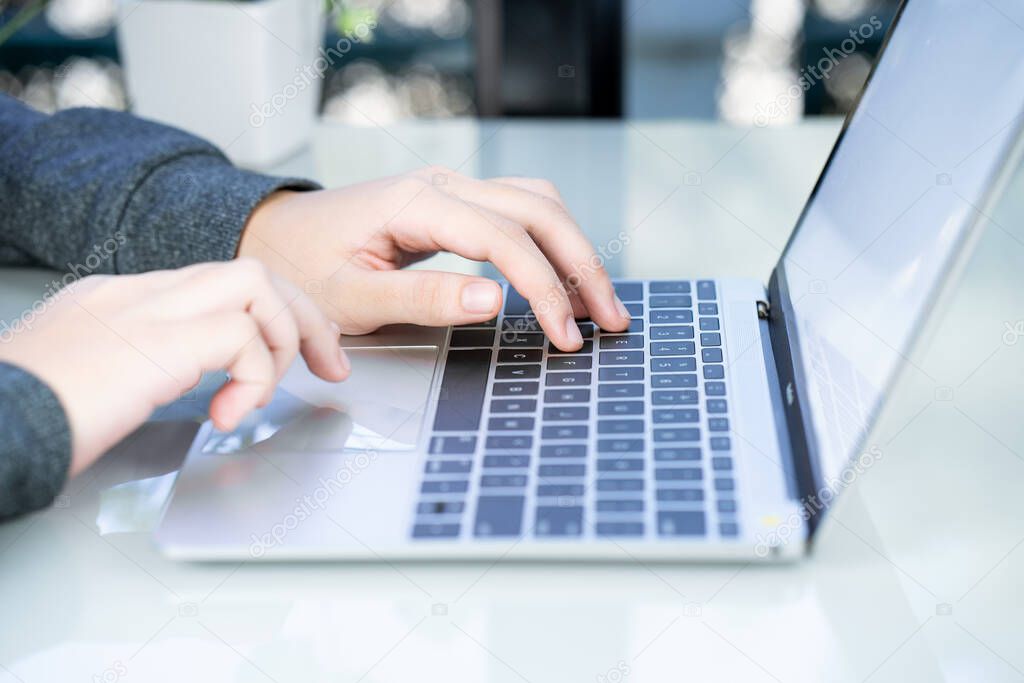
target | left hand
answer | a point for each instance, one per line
(347, 246)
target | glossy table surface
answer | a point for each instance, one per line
(915, 577)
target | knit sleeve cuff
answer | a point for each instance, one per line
(191, 209)
(36, 449)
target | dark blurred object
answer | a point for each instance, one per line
(828, 23)
(543, 58)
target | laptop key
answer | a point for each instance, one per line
(680, 434)
(706, 290)
(707, 309)
(499, 515)
(620, 427)
(506, 461)
(725, 484)
(629, 291)
(563, 432)
(714, 388)
(620, 445)
(721, 463)
(670, 316)
(567, 396)
(514, 405)
(520, 355)
(669, 287)
(510, 424)
(620, 390)
(710, 339)
(726, 505)
(563, 451)
(620, 408)
(619, 528)
(564, 413)
(673, 365)
(673, 348)
(678, 473)
(671, 415)
(708, 324)
(718, 424)
(562, 470)
(621, 374)
(720, 443)
(559, 490)
(620, 485)
(435, 531)
(671, 332)
(714, 372)
(621, 358)
(676, 454)
(635, 310)
(440, 507)
(667, 398)
(559, 521)
(670, 301)
(630, 505)
(452, 445)
(679, 381)
(562, 379)
(512, 339)
(448, 466)
(729, 529)
(463, 386)
(517, 372)
(622, 341)
(680, 495)
(515, 388)
(471, 338)
(712, 355)
(717, 405)
(444, 486)
(681, 523)
(620, 465)
(509, 442)
(503, 481)
(570, 363)
(527, 323)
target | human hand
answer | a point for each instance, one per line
(113, 348)
(353, 241)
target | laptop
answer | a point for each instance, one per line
(721, 426)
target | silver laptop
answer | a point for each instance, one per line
(721, 426)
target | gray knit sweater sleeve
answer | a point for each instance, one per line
(97, 191)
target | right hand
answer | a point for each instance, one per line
(113, 348)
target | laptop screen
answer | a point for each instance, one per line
(902, 190)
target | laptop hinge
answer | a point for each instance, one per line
(785, 353)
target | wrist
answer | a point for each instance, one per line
(257, 233)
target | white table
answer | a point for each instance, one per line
(916, 576)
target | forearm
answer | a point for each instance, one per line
(36, 449)
(98, 191)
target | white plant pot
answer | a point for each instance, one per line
(239, 74)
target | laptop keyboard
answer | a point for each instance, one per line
(626, 438)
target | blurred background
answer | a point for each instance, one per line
(742, 61)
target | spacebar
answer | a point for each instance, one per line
(462, 390)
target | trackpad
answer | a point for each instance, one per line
(380, 407)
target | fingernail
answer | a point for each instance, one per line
(572, 332)
(345, 364)
(621, 307)
(480, 297)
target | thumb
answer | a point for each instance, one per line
(423, 297)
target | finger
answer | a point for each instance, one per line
(232, 342)
(239, 285)
(561, 239)
(477, 233)
(425, 297)
(318, 336)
